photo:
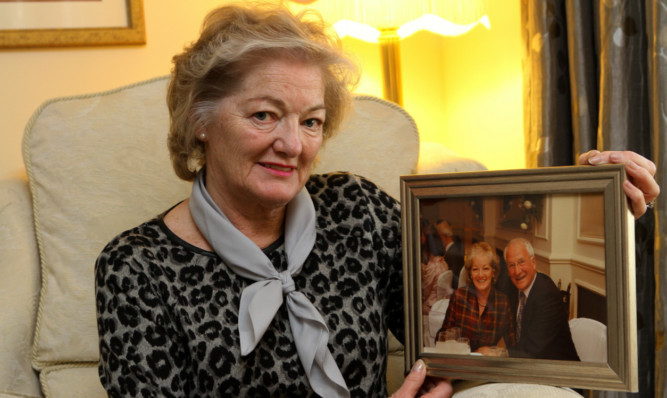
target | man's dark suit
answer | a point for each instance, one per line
(545, 333)
(455, 256)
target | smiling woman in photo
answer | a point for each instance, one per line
(481, 311)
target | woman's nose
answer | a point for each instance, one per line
(288, 140)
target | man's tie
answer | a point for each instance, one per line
(522, 303)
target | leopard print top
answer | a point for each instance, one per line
(168, 311)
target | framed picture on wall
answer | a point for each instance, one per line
(545, 293)
(62, 23)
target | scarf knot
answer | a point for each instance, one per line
(261, 300)
(288, 282)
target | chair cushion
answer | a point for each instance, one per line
(97, 165)
(19, 289)
(72, 381)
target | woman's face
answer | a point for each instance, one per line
(481, 273)
(260, 149)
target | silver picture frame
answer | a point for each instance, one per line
(580, 224)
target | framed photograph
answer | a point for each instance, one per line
(521, 276)
(63, 23)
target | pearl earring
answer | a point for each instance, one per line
(202, 136)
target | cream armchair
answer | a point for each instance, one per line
(96, 165)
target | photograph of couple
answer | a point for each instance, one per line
(515, 276)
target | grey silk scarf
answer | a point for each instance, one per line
(261, 300)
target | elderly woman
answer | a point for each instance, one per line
(481, 311)
(267, 281)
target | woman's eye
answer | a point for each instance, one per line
(312, 123)
(261, 116)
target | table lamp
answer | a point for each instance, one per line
(387, 21)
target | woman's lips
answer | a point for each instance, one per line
(280, 168)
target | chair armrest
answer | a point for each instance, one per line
(395, 364)
(19, 288)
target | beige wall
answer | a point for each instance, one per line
(464, 92)
(29, 77)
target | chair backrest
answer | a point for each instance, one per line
(436, 317)
(590, 339)
(98, 164)
(444, 285)
(379, 140)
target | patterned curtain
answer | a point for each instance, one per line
(595, 77)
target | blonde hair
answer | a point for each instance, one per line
(482, 249)
(233, 38)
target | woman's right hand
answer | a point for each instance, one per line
(416, 383)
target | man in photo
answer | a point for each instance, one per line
(452, 249)
(542, 329)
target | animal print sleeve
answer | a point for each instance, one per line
(139, 353)
(386, 212)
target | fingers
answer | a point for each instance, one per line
(416, 384)
(413, 381)
(584, 157)
(642, 179)
(486, 351)
(439, 388)
(596, 157)
(636, 197)
(640, 187)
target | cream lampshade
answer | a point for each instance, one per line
(387, 21)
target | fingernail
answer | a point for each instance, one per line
(418, 366)
(616, 158)
(595, 159)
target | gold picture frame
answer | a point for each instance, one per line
(132, 34)
(474, 204)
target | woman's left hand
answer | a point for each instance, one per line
(486, 351)
(640, 187)
(416, 384)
